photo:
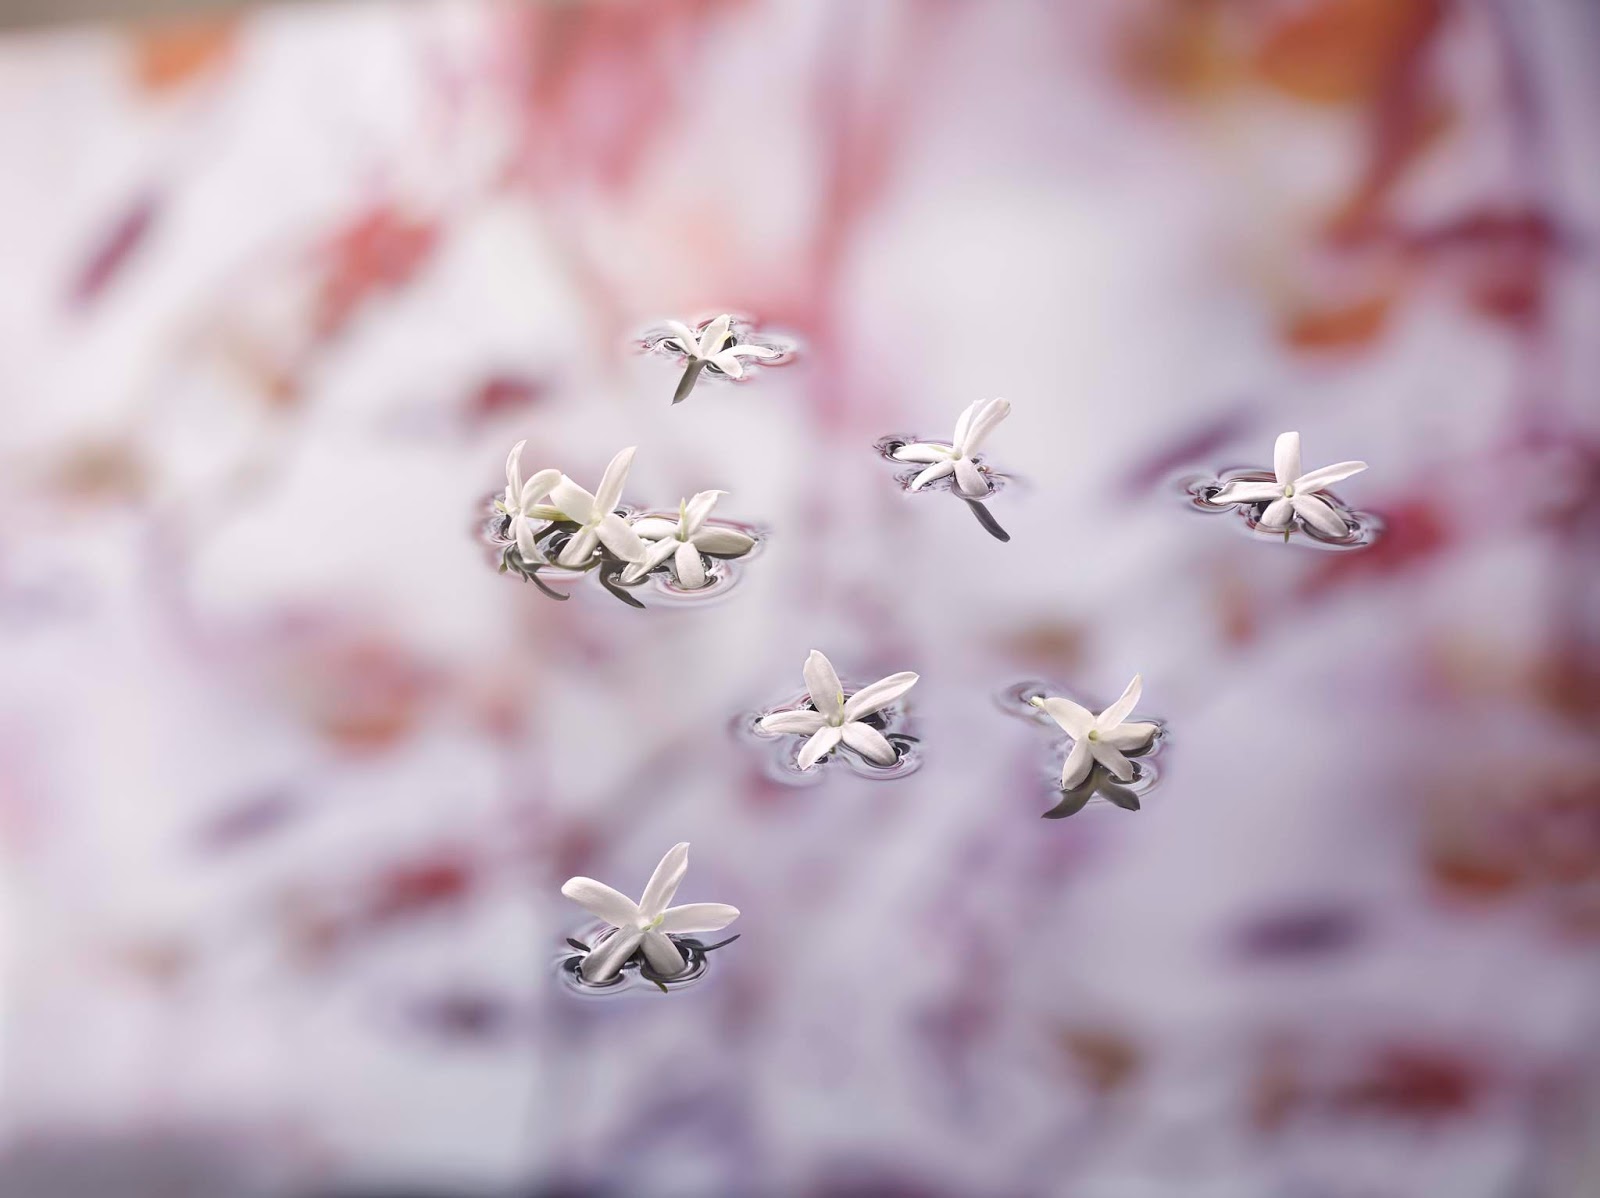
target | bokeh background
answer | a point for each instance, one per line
(290, 777)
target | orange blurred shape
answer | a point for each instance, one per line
(1180, 48)
(1106, 1060)
(1341, 51)
(1340, 326)
(169, 54)
(101, 472)
(364, 695)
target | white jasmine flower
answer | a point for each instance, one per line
(645, 924)
(1294, 494)
(709, 350)
(836, 719)
(529, 517)
(685, 540)
(1103, 738)
(596, 517)
(972, 428)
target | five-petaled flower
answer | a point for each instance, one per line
(684, 540)
(710, 349)
(595, 517)
(973, 426)
(645, 924)
(528, 517)
(1293, 494)
(1103, 738)
(838, 719)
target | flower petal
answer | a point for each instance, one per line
(1286, 458)
(983, 423)
(715, 334)
(937, 470)
(822, 684)
(610, 955)
(665, 957)
(822, 743)
(878, 695)
(655, 553)
(1112, 759)
(689, 566)
(698, 508)
(1326, 476)
(615, 534)
(514, 470)
(575, 503)
(869, 742)
(684, 335)
(663, 883)
(609, 493)
(1077, 766)
(653, 528)
(578, 549)
(747, 350)
(802, 722)
(1278, 514)
(1319, 515)
(963, 423)
(527, 534)
(728, 364)
(970, 479)
(1118, 711)
(601, 901)
(1248, 492)
(724, 542)
(1129, 736)
(698, 917)
(537, 487)
(1074, 719)
(923, 451)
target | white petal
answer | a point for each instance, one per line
(716, 333)
(1074, 719)
(655, 553)
(514, 471)
(878, 695)
(543, 511)
(1077, 766)
(1118, 711)
(1128, 736)
(698, 508)
(689, 566)
(754, 351)
(698, 917)
(653, 528)
(665, 957)
(609, 493)
(1278, 514)
(527, 533)
(821, 743)
(869, 742)
(600, 900)
(1248, 492)
(615, 534)
(822, 684)
(1112, 759)
(728, 364)
(575, 503)
(970, 479)
(724, 542)
(1319, 515)
(610, 955)
(983, 423)
(1326, 476)
(578, 549)
(964, 422)
(537, 487)
(802, 722)
(664, 881)
(1286, 458)
(937, 470)
(923, 451)
(684, 336)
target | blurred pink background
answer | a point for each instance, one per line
(290, 777)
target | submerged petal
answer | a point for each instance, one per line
(609, 493)
(869, 742)
(1286, 458)
(822, 684)
(822, 742)
(665, 957)
(663, 883)
(610, 955)
(970, 479)
(698, 917)
(1074, 719)
(600, 900)
(1128, 737)
(575, 503)
(803, 722)
(1078, 765)
(937, 470)
(1319, 515)
(1118, 711)
(1278, 514)
(689, 566)
(879, 694)
(724, 542)
(1112, 759)
(1325, 476)
(1248, 492)
(983, 423)
(923, 451)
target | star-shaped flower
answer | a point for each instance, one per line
(1294, 494)
(645, 924)
(1103, 738)
(529, 517)
(973, 426)
(685, 540)
(595, 516)
(836, 719)
(710, 349)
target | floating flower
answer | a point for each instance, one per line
(645, 925)
(685, 540)
(836, 719)
(529, 517)
(710, 349)
(1103, 738)
(595, 516)
(972, 428)
(1294, 494)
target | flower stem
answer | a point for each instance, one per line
(686, 384)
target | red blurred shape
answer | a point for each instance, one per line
(443, 878)
(380, 251)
